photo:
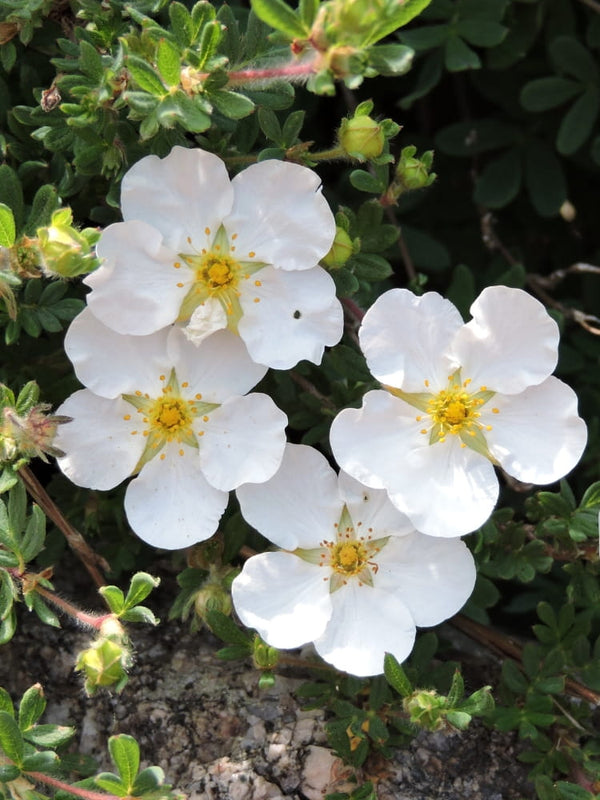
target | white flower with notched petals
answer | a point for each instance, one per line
(209, 253)
(355, 577)
(174, 415)
(457, 400)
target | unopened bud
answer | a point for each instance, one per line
(212, 597)
(341, 250)
(65, 251)
(263, 655)
(29, 435)
(426, 708)
(415, 173)
(362, 137)
(105, 663)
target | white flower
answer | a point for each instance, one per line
(355, 578)
(173, 414)
(457, 400)
(210, 253)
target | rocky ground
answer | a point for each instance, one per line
(218, 737)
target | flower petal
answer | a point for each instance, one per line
(299, 505)
(180, 195)
(111, 364)
(100, 450)
(135, 290)
(433, 576)
(280, 215)
(170, 504)
(511, 342)
(365, 624)
(371, 510)
(283, 597)
(445, 489)
(290, 316)
(206, 318)
(537, 435)
(218, 368)
(244, 441)
(405, 339)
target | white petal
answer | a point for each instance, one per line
(299, 505)
(280, 215)
(445, 489)
(284, 598)
(297, 315)
(244, 441)
(364, 441)
(433, 576)
(135, 289)
(112, 364)
(206, 318)
(537, 435)
(511, 342)
(373, 513)
(170, 505)
(100, 448)
(180, 195)
(365, 624)
(217, 368)
(405, 339)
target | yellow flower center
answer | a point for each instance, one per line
(170, 417)
(454, 410)
(348, 558)
(218, 271)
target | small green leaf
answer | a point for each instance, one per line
(168, 61)
(225, 628)
(365, 182)
(591, 497)
(391, 59)
(45, 761)
(395, 675)
(45, 613)
(371, 267)
(401, 15)
(140, 587)
(11, 740)
(570, 56)
(209, 40)
(148, 780)
(578, 122)
(498, 184)
(8, 625)
(112, 784)
(7, 226)
(481, 32)
(44, 203)
(113, 597)
(146, 78)
(90, 61)
(544, 93)
(6, 703)
(280, 17)
(545, 179)
(459, 719)
(139, 614)
(232, 104)
(49, 735)
(125, 753)
(31, 707)
(35, 534)
(459, 56)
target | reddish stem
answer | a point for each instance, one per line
(290, 71)
(86, 794)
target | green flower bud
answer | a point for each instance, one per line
(104, 664)
(263, 655)
(341, 250)
(426, 708)
(212, 597)
(65, 251)
(361, 137)
(30, 435)
(415, 173)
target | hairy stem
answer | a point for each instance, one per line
(86, 794)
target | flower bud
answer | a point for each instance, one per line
(105, 663)
(414, 173)
(263, 655)
(426, 708)
(361, 137)
(212, 597)
(29, 435)
(65, 251)
(341, 250)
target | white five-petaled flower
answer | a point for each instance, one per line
(354, 578)
(458, 399)
(176, 416)
(209, 253)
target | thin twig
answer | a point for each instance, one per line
(311, 389)
(591, 4)
(91, 560)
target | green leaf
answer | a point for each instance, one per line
(391, 59)
(11, 192)
(570, 56)
(31, 707)
(545, 93)
(461, 291)
(181, 23)
(426, 252)
(458, 55)
(544, 178)
(578, 122)
(140, 587)
(225, 628)
(40, 762)
(9, 773)
(591, 496)
(280, 17)
(90, 61)
(49, 735)
(148, 780)
(308, 11)
(371, 267)
(17, 510)
(395, 675)
(44, 203)
(481, 32)
(113, 597)
(477, 136)
(125, 753)
(514, 678)
(35, 534)
(111, 783)
(11, 740)
(425, 38)
(6, 703)
(400, 16)
(168, 62)
(232, 104)
(459, 719)
(146, 78)
(499, 182)
(139, 614)
(45, 613)
(572, 791)
(7, 226)
(365, 182)
(209, 39)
